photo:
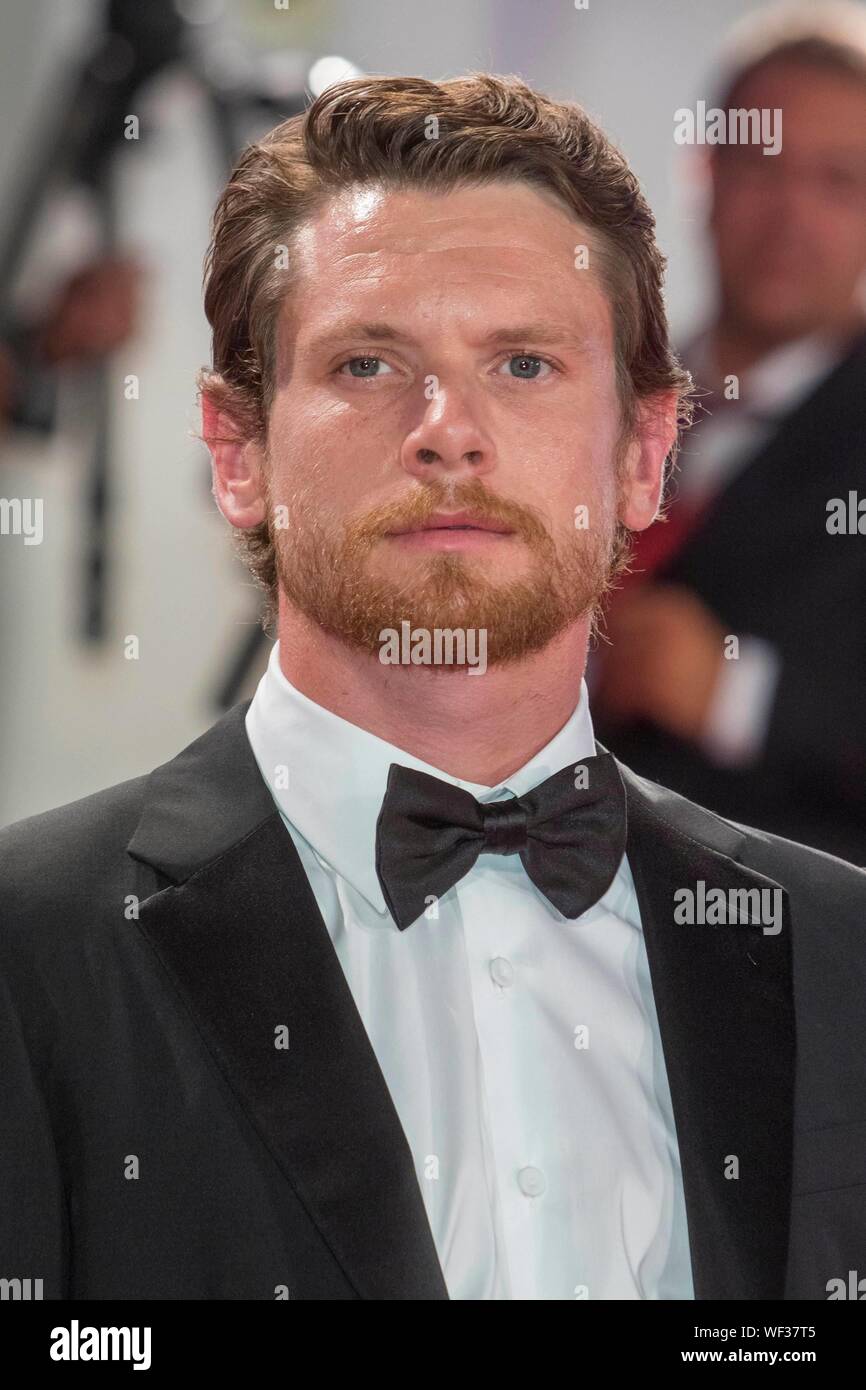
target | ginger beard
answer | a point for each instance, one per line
(326, 572)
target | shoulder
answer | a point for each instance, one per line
(798, 864)
(827, 895)
(76, 834)
(811, 877)
(56, 867)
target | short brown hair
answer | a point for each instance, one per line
(377, 130)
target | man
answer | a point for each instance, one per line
(759, 545)
(394, 984)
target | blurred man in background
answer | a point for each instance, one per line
(769, 727)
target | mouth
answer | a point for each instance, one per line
(444, 524)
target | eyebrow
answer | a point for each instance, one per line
(541, 332)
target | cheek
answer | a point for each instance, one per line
(356, 429)
(578, 488)
(741, 212)
(843, 238)
(734, 231)
(308, 443)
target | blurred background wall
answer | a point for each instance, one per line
(76, 716)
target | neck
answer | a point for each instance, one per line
(479, 728)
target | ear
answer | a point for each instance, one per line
(237, 466)
(643, 470)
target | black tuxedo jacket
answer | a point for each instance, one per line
(157, 1145)
(762, 561)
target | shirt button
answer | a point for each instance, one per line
(501, 971)
(531, 1182)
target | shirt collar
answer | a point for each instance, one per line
(328, 776)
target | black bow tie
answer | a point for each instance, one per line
(570, 833)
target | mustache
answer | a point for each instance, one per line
(425, 501)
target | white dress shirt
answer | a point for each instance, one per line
(725, 442)
(521, 1049)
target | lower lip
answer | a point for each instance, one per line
(444, 539)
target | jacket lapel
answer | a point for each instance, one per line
(724, 1000)
(240, 934)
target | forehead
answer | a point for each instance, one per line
(501, 245)
(821, 106)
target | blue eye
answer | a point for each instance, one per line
(366, 361)
(528, 361)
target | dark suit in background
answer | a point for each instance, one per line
(761, 559)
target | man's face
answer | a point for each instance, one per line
(790, 228)
(483, 383)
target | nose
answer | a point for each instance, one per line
(450, 440)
